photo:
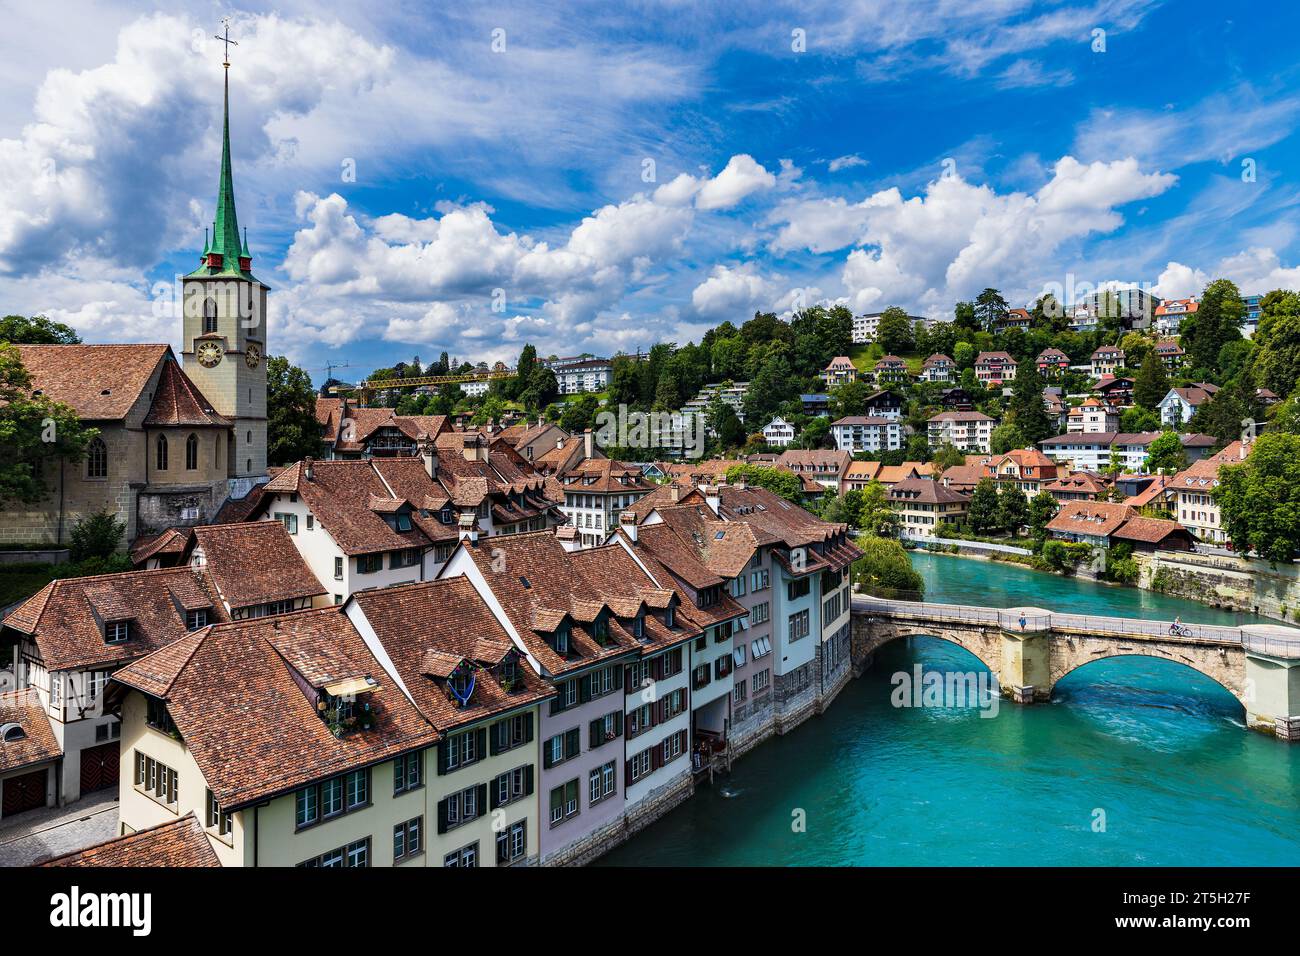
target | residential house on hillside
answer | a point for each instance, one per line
(1170, 313)
(1092, 417)
(1026, 469)
(966, 431)
(778, 432)
(1117, 391)
(938, 368)
(957, 400)
(1077, 486)
(584, 375)
(864, 433)
(1107, 360)
(1171, 354)
(1181, 402)
(1105, 524)
(892, 370)
(994, 369)
(1052, 363)
(1127, 450)
(352, 432)
(840, 370)
(883, 404)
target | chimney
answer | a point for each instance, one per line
(468, 528)
(309, 468)
(710, 493)
(675, 492)
(588, 443)
(428, 452)
(559, 443)
(627, 521)
(739, 484)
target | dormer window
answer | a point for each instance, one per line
(403, 522)
(445, 517)
(197, 619)
(12, 733)
(562, 640)
(638, 625)
(461, 684)
(117, 632)
(600, 628)
(508, 671)
(670, 616)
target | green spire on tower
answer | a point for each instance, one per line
(225, 241)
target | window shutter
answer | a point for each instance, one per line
(528, 780)
(584, 689)
(528, 727)
(618, 678)
(597, 733)
(656, 757)
(657, 668)
(442, 815)
(494, 795)
(480, 743)
(572, 743)
(627, 677)
(495, 743)
(627, 718)
(444, 750)
(481, 802)
(618, 724)
(627, 774)
(547, 762)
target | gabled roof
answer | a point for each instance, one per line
(247, 712)
(1095, 518)
(254, 562)
(35, 741)
(178, 402)
(925, 491)
(427, 629)
(174, 843)
(66, 618)
(773, 519)
(99, 382)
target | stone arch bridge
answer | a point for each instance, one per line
(1030, 649)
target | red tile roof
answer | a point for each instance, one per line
(174, 843)
(25, 720)
(178, 402)
(255, 562)
(100, 382)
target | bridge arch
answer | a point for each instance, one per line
(986, 648)
(1222, 666)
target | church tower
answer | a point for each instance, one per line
(224, 326)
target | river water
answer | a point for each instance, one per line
(1135, 761)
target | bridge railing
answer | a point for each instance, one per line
(1010, 619)
(1272, 645)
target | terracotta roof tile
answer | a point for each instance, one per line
(175, 843)
(100, 382)
(255, 562)
(33, 739)
(178, 402)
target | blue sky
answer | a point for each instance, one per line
(595, 177)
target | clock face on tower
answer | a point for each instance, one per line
(209, 354)
(252, 355)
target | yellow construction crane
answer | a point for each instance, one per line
(370, 386)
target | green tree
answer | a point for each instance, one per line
(1042, 509)
(875, 516)
(1277, 345)
(1223, 415)
(540, 390)
(1166, 453)
(292, 431)
(1027, 410)
(579, 414)
(38, 330)
(984, 507)
(1151, 384)
(1260, 498)
(947, 456)
(730, 430)
(1004, 437)
(894, 333)
(885, 568)
(1013, 508)
(35, 433)
(784, 483)
(989, 308)
(815, 434)
(1216, 322)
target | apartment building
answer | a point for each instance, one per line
(1170, 313)
(994, 369)
(583, 375)
(463, 672)
(1127, 450)
(1092, 417)
(76, 632)
(1171, 354)
(865, 433)
(1026, 469)
(284, 736)
(923, 504)
(1194, 505)
(966, 431)
(819, 464)
(596, 492)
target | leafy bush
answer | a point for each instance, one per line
(96, 536)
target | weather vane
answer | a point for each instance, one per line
(226, 40)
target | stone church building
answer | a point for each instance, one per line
(177, 437)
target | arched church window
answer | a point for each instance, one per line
(96, 459)
(209, 316)
(161, 457)
(192, 452)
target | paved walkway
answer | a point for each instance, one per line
(52, 831)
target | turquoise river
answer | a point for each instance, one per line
(1135, 761)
